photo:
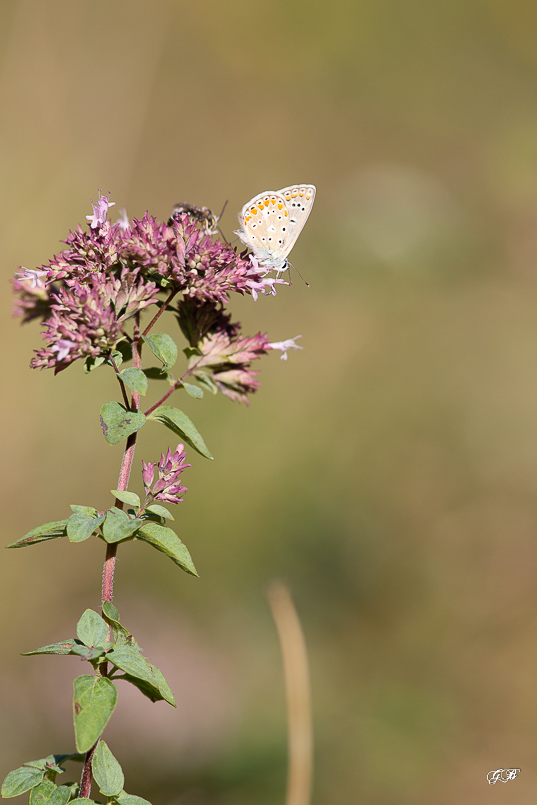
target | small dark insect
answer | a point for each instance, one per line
(202, 214)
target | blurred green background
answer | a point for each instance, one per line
(388, 472)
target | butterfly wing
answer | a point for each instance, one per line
(264, 225)
(299, 200)
(272, 221)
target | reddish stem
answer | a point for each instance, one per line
(85, 780)
(111, 549)
(170, 391)
(124, 474)
(165, 397)
(121, 384)
(160, 311)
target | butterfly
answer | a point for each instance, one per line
(272, 221)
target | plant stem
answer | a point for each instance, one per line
(160, 311)
(85, 780)
(111, 549)
(121, 385)
(170, 391)
(164, 397)
(124, 473)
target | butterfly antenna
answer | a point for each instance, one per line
(306, 283)
(217, 220)
(223, 208)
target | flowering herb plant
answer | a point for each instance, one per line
(100, 301)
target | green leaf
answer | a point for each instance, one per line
(92, 363)
(65, 647)
(125, 350)
(131, 799)
(193, 391)
(77, 756)
(167, 541)
(38, 764)
(160, 511)
(110, 611)
(41, 794)
(115, 358)
(150, 689)
(51, 762)
(94, 701)
(74, 788)
(205, 379)
(20, 780)
(118, 525)
(118, 423)
(107, 771)
(155, 373)
(80, 525)
(82, 801)
(164, 688)
(120, 634)
(60, 796)
(163, 347)
(41, 533)
(89, 654)
(141, 673)
(129, 659)
(135, 379)
(91, 629)
(130, 498)
(179, 423)
(89, 510)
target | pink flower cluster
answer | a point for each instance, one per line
(221, 357)
(167, 489)
(109, 272)
(86, 318)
